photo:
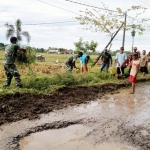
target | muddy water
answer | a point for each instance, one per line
(104, 120)
(115, 122)
(70, 138)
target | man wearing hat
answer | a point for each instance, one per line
(121, 58)
(106, 59)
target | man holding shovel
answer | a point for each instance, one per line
(121, 58)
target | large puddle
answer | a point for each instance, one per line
(70, 138)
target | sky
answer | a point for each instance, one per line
(63, 29)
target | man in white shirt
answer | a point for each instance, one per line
(121, 58)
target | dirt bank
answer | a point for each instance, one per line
(20, 106)
(17, 106)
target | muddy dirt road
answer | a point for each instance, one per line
(117, 121)
(17, 106)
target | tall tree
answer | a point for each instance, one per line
(80, 45)
(85, 46)
(17, 31)
(92, 46)
(61, 50)
(108, 21)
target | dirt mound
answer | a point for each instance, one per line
(20, 106)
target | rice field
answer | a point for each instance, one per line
(49, 66)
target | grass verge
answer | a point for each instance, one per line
(44, 84)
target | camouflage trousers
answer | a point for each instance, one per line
(69, 67)
(11, 71)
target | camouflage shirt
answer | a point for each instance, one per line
(10, 53)
(70, 59)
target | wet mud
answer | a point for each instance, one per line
(19, 106)
(115, 120)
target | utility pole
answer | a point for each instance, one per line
(108, 44)
(124, 31)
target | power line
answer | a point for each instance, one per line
(140, 3)
(71, 12)
(144, 2)
(58, 7)
(90, 6)
(46, 23)
(36, 22)
(77, 13)
(76, 3)
(138, 20)
(136, 2)
(50, 23)
(74, 12)
(85, 2)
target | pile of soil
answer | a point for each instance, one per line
(21, 106)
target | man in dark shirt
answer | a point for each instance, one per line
(106, 59)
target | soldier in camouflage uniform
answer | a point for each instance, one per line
(9, 60)
(70, 61)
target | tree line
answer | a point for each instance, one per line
(77, 49)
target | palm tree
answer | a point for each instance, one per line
(136, 28)
(17, 30)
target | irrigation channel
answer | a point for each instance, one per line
(119, 121)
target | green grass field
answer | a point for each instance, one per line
(50, 59)
(48, 76)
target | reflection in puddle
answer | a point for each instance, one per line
(70, 138)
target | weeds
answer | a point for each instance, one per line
(63, 79)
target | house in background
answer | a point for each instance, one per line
(59, 51)
(53, 51)
(66, 51)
